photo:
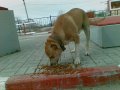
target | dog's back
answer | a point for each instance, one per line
(75, 16)
(71, 22)
(79, 16)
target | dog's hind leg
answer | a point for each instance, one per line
(87, 34)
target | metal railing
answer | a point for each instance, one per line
(38, 23)
(35, 24)
(45, 21)
(104, 13)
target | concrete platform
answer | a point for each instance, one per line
(32, 55)
(105, 31)
(106, 36)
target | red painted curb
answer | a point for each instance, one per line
(106, 21)
(85, 77)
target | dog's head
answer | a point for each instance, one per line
(53, 50)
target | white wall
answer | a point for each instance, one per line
(9, 42)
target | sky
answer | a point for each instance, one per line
(45, 8)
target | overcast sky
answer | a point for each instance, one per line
(45, 8)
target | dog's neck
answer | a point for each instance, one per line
(59, 41)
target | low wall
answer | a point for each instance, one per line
(105, 32)
(9, 42)
(106, 36)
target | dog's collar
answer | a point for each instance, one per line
(56, 38)
(62, 46)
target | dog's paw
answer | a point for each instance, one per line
(87, 54)
(77, 60)
(72, 51)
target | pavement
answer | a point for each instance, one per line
(32, 54)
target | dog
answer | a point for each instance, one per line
(66, 29)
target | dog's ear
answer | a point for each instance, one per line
(54, 46)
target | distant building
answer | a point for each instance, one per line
(114, 7)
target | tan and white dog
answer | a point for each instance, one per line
(66, 29)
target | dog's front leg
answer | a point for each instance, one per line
(77, 58)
